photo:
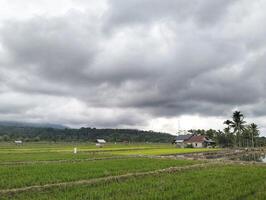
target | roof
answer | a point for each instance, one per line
(100, 141)
(184, 137)
(197, 138)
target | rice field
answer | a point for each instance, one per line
(121, 171)
(219, 183)
(64, 151)
(162, 151)
(45, 173)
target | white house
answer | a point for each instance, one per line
(100, 142)
(180, 140)
(200, 141)
(18, 142)
(195, 141)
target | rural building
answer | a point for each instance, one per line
(180, 140)
(195, 141)
(100, 142)
(18, 142)
(199, 141)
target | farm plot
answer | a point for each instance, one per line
(22, 175)
(50, 156)
(162, 151)
(64, 151)
(121, 171)
(211, 183)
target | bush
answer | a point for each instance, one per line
(189, 146)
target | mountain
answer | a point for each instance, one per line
(10, 131)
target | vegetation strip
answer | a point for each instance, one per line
(109, 178)
(68, 161)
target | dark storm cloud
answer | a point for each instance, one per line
(160, 58)
(56, 48)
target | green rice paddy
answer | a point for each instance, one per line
(121, 171)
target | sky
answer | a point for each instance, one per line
(145, 64)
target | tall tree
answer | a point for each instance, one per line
(254, 132)
(238, 124)
(229, 124)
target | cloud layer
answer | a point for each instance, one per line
(125, 63)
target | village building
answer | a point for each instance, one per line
(100, 142)
(195, 141)
(180, 140)
(199, 141)
(18, 142)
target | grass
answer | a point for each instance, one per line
(47, 163)
(64, 151)
(15, 176)
(83, 146)
(162, 151)
(213, 183)
(49, 156)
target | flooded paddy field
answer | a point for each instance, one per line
(252, 155)
(255, 157)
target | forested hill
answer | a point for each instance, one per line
(11, 133)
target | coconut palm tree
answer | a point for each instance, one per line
(228, 133)
(254, 132)
(238, 125)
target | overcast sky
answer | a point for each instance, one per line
(147, 64)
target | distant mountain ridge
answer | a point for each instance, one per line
(33, 125)
(10, 131)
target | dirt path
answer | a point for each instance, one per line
(109, 178)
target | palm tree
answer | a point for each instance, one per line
(230, 136)
(246, 136)
(254, 132)
(238, 124)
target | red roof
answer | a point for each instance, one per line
(196, 138)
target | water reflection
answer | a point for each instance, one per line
(257, 157)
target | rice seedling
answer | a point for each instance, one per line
(213, 183)
(14, 176)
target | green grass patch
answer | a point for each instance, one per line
(15, 176)
(214, 183)
(50, 156)
(64, 151)
(163, 151)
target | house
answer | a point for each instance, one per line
(180, 140)
(199, 141)
(18, 142)
(100, 142)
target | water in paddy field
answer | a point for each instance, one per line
(257, 157)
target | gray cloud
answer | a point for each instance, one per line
(151, 11)
(139, 60)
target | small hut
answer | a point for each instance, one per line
(18, 142)
(100, 142)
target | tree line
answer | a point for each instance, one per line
(11, 133)
(237, 133)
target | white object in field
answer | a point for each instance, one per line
(18, 142)
(101, 141)
(75, 150)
